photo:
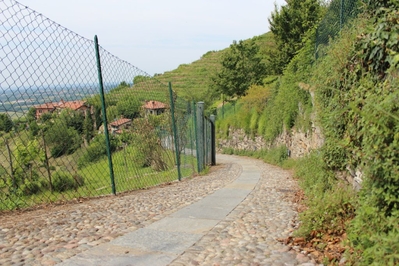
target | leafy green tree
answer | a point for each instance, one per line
(20, 124)
(241, 68)
(46, 117)
(289, 25)
(374, 5)
(129, 107)
(73, 119)
(112, 113)
(63, 139)
(95, 103)
(34, 128)
(121, 86)
(31, 115)
(25, 156)
(6, 123)
(88, 126)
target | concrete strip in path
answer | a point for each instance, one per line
(163, 241)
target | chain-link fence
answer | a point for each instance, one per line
(338, 13)
(76, 121)
(206, 146)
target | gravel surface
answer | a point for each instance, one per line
(248, 236)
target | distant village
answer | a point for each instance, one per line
(115, 127)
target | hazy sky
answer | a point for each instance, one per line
(159, 35)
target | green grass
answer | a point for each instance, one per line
(97, 182)
(150, 89)
(191, 81)
(276, 156)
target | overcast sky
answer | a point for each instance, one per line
(159, 35)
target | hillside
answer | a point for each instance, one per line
(348, 94)
(192, 81)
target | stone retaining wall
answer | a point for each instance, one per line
(299, 143)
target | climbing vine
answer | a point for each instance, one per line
(359, 110)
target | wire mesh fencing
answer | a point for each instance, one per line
(339, 12)
(77, 121)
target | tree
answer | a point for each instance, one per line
(289, 25)
(95, 103)
(129, 107)
(88, 126)
(34, 128)
(46, 117)
(63, 139)
(241, 68)
(73, 119)
(6, 123)
(31, 115)
(25, 155)
(112, 113)
(121, 86)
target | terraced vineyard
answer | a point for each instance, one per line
(192, 81)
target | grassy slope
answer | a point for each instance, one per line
(191, 81)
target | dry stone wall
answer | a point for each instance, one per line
(297, 142)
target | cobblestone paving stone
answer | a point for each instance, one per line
(248, 236)
(49, 236)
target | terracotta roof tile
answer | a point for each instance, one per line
(120, 122)
(46, 106)
(153, 105)
(74, 105)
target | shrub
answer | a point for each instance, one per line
(275, 155)
(149, 145)
(97, 149)
(63, 139)
(330, 203)
(228, 151)
(63, 181)
(30, 187)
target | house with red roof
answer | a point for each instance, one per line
(81, 106)
(43, 109)
(119, 125)
(154, 107)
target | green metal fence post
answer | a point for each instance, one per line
(191, 130)
(104, 110)
(200, 136)
(172, 110)
(213, 140)
(209, 142)
(196, 136)
(205, 141)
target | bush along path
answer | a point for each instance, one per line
(247, 235)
